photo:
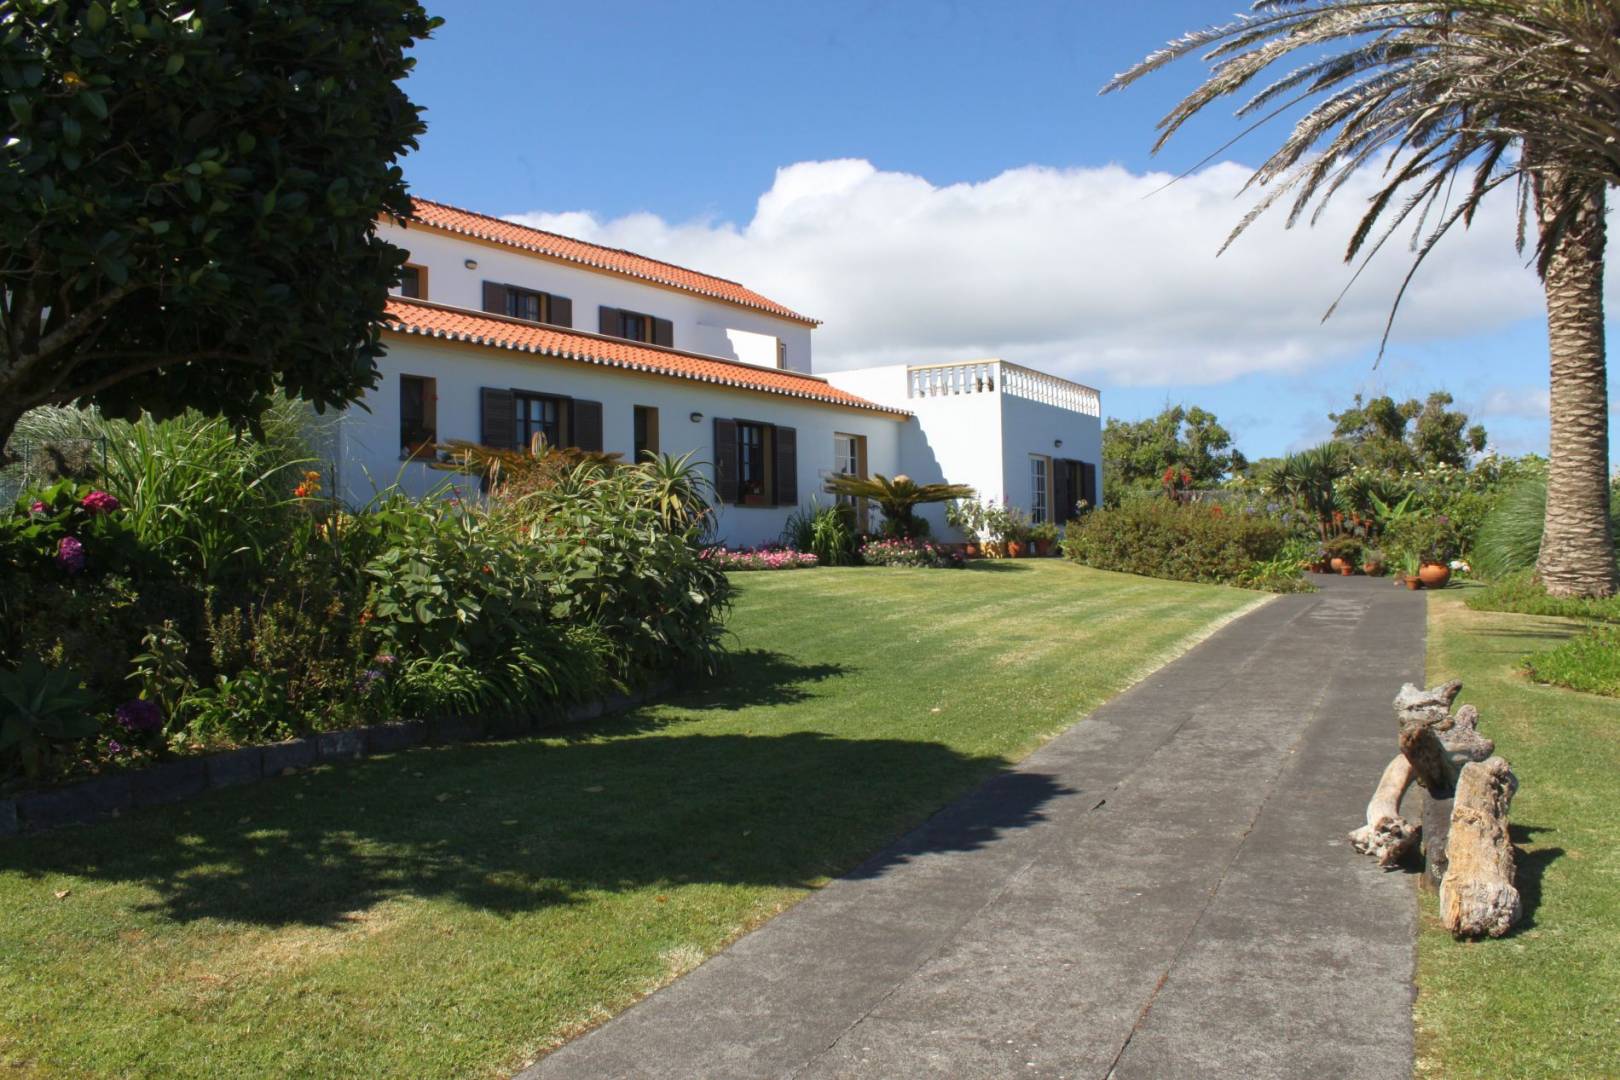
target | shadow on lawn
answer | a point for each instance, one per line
(510, 827)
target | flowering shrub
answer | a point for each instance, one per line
(761, 558)
(207, 595)
(909, 553)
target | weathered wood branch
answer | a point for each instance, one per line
(1387, 836)
(1477, 894)
(1436, 742)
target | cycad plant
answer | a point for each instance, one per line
(898, 498)
(1454, 99)
(1308, 478)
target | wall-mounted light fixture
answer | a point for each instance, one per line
(697, 418)
(1057, 443)
(471, 264)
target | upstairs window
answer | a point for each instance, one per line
(413, 282)
(636, 326)
(418, 416)
(524, 304)
(531, 305)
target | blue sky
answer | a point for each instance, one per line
(662, 126)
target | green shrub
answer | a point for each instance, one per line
(1589, 662)
(221, 592)
(1522, 594)
(1179, 541)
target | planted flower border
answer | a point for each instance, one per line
(761, 558)
(112, 795)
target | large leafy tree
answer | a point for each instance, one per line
(188, 199)
(1455, 98)
(1136, 453)
(1406, 435)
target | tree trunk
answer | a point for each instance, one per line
(1577, 546)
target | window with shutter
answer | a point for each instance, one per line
(498, 428)
(585, 425)
(646, 432)
(727, 482)
(636, 326)
(786, 454)
(413, 281)
(418, 416)
(540, 414)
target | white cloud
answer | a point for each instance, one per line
(1513, 402)
(1097, 273)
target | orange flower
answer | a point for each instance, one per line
(301, 491)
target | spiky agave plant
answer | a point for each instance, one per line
(898, 497)
(1453, 99)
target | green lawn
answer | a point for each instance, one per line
(1545, 1000)
(452, 912)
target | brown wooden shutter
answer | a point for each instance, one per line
(725, 460)
(1062, 490)
(495, 297)
(663, 333)
(611, 321)
(561, 311)
(787, 466)
(498, 426)
(585, 424)
(1088, 484)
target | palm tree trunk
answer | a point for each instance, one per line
(1577, 546)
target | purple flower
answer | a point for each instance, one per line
(139, 715)
(99, 502)
(114, 746)
(70, 555)
(367, 679)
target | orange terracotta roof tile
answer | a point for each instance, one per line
(484, 227)
(425, 319)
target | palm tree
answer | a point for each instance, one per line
(897, 498)
(1456, 98)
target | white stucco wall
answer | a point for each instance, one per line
(368, 448)
(700, 324)
(984, 440)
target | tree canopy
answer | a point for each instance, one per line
(188, 200)
(1408, 435)
(1136, 453)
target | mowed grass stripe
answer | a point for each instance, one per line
(451, 912)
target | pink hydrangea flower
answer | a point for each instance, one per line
(37, 508)
(99, 502)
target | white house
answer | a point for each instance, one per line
(502, 332)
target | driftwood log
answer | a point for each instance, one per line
(1437, 742)
(1387, 836)
(1477, 894)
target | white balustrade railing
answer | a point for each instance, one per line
(993, 376)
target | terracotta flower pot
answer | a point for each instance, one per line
(1413, 582)
(1345, 569)
(1373, 569)
(971, 551)
(1015, 549)
(1339, 565)
(1434, 575)
(1043, 547)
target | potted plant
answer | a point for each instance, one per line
(1410, 565)
(1044, 535)
(1372, 562)
(1015, 530)
(1433, 540)
(1344, 551)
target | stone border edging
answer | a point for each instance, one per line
(107, 797)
